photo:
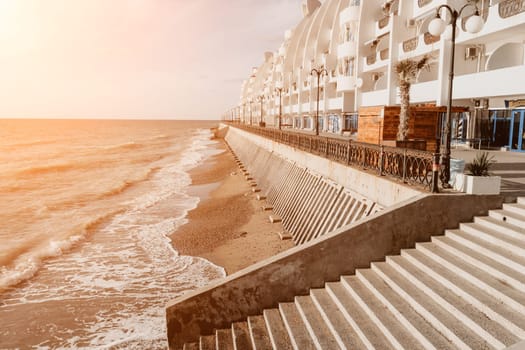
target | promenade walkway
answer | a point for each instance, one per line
(509, 165)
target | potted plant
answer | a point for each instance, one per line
(407, 71)
(478, 179)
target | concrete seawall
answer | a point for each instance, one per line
(312, 195)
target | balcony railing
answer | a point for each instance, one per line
(509, 8)
(410, 166)
(383, 54)
(410, 44)
(430, 39)
(421, 3)
(383, 22)
(371, 59)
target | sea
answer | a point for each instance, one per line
(86, 211)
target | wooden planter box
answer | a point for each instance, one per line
(477, 184)
(379, 124)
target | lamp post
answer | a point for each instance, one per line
(261, 99)
(250, 101)
(436, 27)
(280, 91)
(319, 72)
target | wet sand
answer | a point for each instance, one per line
(228, 226)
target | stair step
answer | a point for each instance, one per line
(333, 317)
(508, 217)
(394, 331)
(458, 333)
(255, 190)
(512, 244)
(366, 330)
(224, 339)
(241, 336)
(427, 335)
(480, 261)
(207, 342)
(493, 332)
(477, 276)
(259, 333)
(516, 208)
(484, 297)
(500, 226)
(277, 331)
(295, 326)
(267, 208)
(488, 249)
(260, 197)
(191, 346)
(315, 324)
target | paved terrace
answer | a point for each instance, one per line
(509, 165)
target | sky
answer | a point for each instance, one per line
(147, 59)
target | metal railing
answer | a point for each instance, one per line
(412, 167)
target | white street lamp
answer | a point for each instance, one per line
(436, 27)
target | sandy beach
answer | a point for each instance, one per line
(228, 226)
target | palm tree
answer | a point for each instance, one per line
(407, 72)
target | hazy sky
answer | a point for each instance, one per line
(133, 58)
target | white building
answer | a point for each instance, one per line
(357, 43)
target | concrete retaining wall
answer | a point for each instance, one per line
(308, 203)
(310, 265)
(364, 185)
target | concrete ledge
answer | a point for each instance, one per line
(294, 272)
(274, 218)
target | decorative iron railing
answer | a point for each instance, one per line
(371, 59)
(383, 22)
(383, 54)
(509, 8)
(410, 166)
(430, 39)
(410, 44)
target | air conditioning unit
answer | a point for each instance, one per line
(471, 52)
(411, 23)
(376, 76)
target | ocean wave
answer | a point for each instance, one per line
(25, 265)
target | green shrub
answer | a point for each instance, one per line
(481, 164)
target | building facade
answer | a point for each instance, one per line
(353, 45)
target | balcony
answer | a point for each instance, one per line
(374, 98)
(335, 103)
(383, 26)
(502, 82)
(346, 49)
(282, 51)
(279, 68)
(422, 92)
(419, 45)
(376, 60)
(506, 15)
(349, 14)
(345, 83)
(422, 7)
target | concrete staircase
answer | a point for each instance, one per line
(463, 290)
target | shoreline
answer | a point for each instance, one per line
(227, 227)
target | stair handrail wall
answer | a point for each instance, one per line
(411, 166)
(294, 272)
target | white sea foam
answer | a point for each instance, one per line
(130, 260)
